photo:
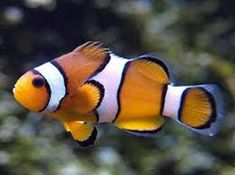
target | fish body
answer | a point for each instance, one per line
(91, 85)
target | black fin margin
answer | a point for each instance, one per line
(145, 133)
(156, 60)
(101, 90)
(164, 91)
(123, 76)
(184, 94)
(90, 141)
(213, 112)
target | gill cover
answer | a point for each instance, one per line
(31, 91)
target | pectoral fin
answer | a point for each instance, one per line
(141, 126)
(89, 96)
(84, 133)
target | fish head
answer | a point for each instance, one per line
(32, 91)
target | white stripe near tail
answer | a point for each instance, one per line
(198, 107)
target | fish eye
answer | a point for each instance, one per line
(38, 82)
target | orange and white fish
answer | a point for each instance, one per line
(91, 85)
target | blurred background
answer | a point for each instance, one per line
(195, 37)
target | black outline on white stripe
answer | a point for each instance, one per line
(102, 66)
(46, 78)
(35, 72)
(61, 70)
(96, 115)
(182, 103)
(165, 68)
(90, 140)
(124, 71)
(163, 98)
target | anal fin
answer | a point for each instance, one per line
(141, 126)
(84, 133)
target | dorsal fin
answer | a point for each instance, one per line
(93, 50)
(153, 68)
(83, 62)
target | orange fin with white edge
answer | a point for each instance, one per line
(89, 96)
(146, 126)
(84, 133)
(200, 108)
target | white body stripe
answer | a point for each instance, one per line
(173, 100)
(110, 78)
(56, 83)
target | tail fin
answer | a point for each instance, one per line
(199, 107)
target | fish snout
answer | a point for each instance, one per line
(28, 94)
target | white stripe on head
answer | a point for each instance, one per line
(110, 78)
(56, 84)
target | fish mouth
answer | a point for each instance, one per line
(20, 97)
(14, 89)
(17, 91)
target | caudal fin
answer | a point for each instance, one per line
(199, 107)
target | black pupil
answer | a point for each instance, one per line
(38, 82)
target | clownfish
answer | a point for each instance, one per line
(92, 85)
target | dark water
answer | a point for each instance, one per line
(196, 39)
